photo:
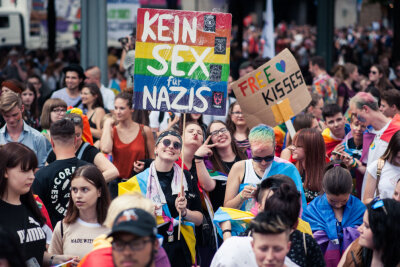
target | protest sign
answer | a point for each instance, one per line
(182, 61)
(274, 92)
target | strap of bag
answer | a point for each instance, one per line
(62, 229)
(146, 151)
(78, 103)
(305, 244)
(381, 163)
(84, 146)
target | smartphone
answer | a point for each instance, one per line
(339, 154)
(336, 153)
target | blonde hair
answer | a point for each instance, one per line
(9, 100)
(124, 202)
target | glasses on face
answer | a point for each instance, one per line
(237, 113)
(378, 203)
(59, 110)
(217, 132)
(133, 245)
(266, 159)
(175, 145)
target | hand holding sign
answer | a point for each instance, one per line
(274, 92)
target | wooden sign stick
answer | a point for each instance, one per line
(286, 118)
(182, 174)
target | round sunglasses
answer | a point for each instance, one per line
(175, 145)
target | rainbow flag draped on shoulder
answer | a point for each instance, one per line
(138, 183)
(240, 221)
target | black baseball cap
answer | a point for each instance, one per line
(77, 68)
(134, 221)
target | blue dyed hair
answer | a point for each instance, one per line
(262, 133)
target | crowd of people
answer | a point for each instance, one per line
(87, 180)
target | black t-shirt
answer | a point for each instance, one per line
(177, 251)
(217, 196)
(88, 154)
(53, 183)
(297, 252)
(20, 222)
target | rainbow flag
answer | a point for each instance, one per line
(182, 61)
(138, 183)
(216, 175)
(330, 141)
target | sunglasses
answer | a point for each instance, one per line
(217, 132)
(176, 145)
(378, 203)
(74, 119)
(266, 159)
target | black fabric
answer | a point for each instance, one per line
(217, 196)
(93, 125)
(20, 222)
(205, 237)
(297, 253)
(177, 251)
(52, 183)
(88, 155)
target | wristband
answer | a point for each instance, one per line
(198, 157)
(240, 195)
(51, 260)
(354, 164)
(226, 231)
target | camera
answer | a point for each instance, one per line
(123, 40)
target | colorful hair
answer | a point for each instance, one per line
(364, 99)
(262, 134)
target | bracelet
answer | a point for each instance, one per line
(354, 164)
(241, 197)
(51, 260)
(226, 231)
(198, 157)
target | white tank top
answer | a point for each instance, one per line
(250, 176)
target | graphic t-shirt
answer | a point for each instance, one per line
(53, 183)
(76, 238)
(25, 228)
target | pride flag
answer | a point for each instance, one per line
(138, 183)
(182, 61)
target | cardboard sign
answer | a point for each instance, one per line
(182, 61)
(274, 92)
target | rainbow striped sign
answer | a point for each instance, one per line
(182, 61)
